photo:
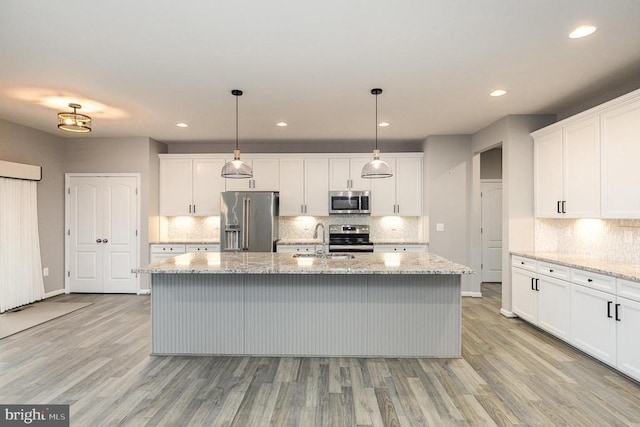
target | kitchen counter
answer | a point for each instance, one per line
(188, 242)
(285, 263)
(375, 305)
(375, 242)
(622, 270)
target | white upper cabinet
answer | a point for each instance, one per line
(304, 186)
(265, 176)
(402, 193)
(190, 186)
(345, 174)
(620, 139)
(567, 171)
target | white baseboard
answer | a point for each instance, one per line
(54, 293)
(144, 292)
(507, 313)
(471, 294)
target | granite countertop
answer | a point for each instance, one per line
(375, 242)
(285, 263)
(622, 270)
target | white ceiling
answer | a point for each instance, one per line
(153, 63)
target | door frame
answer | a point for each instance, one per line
(67, 230)
(482, 260)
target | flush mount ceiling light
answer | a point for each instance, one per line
(182, 125)
(498, 92)
(236, 168)
(282, 124)
(74, 122)
(582, 31)
(376, 168)
(383, 124)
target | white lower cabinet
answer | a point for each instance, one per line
(296, 248)
(160, 251)
(387, 248)
(597, 313)
(541, 299)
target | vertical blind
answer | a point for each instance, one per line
(21, 279)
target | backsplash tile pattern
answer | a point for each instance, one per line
(207, 229)
(611, 239)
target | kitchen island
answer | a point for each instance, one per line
(256, 303)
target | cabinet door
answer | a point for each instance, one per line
(620, 146)
(291, 187)
(548, 174)
(207, 185)
(383, 193)
(554, 303)
(339, 176)
(581, 168)
(593, 328)
(175, 187)
(316, 187)
(524, 297)
(266, 176)
(355, 171)
(628, 333)
(408, 173)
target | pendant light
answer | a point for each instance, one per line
(74, 122)
(236, 168)
(376, 168)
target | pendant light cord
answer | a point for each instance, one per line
(376, 121)
(236, 122)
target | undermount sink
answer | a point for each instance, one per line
(328, 256)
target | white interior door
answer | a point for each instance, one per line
(491, 231)
(102, 234)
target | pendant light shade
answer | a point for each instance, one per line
(376, 168)
(236, 168)
(74, 122)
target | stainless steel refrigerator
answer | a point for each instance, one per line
(249, 221)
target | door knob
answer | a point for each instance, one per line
(105, 241)
(99, 241)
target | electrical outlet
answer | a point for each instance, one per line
(628, 236)
(45, 271)
(440, 226)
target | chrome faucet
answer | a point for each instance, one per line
(315, 236)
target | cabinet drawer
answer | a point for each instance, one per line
(594, 280)
(525, 263)
(163, 249)
(628, 289)
(554, 270)
(296, 248)
(203, 248)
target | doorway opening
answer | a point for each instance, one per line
(491, 215)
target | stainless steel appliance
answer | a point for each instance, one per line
(349, 202)
(249, 221)
(349, 238)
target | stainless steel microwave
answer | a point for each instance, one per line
(349, 202)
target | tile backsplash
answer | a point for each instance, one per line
(611, 239)
(205, 229)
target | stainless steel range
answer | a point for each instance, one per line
(349, 238)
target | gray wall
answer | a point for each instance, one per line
(491, 164)
(25, 145)
(155, 148)
(447, 196)
(305, 146)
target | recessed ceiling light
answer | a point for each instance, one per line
(582, 31)
(182, 125)
(282, 124)
(383, 124)
(498, 92)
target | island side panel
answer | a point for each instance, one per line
(306, 314)
(197, 314)
(414, 315)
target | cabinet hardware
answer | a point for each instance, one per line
(589, 280)
(558, 207)
(537, 288)
(105, 241)
(98, 240)
(617, 313)
(189, 208)
(522, 262)
(564, 206)
(301, 208)
(532, 288)
(609, 309)
(550, 270)
(194, 208)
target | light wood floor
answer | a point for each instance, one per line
(97, 359)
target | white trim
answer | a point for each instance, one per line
(507, 313)
(54, 293)
(144, 291)
(67, 177)
(491, 180)
(471, 294)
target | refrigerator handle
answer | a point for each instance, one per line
(247, 222)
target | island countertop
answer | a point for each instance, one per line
(285, 263)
